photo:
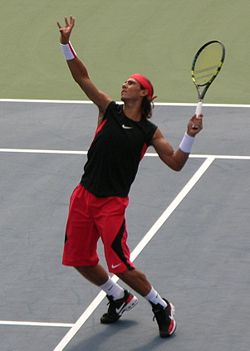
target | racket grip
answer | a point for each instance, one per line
(198, 108)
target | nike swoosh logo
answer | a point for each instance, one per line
(126, 127)
(119, 310)
(115, 265)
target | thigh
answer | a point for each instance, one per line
(113, 230)
(80, 248)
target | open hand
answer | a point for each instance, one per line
(66, 30)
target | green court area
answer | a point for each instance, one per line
(116, 38)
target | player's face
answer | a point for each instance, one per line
(131, 89)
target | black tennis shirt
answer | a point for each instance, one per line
(115, 153)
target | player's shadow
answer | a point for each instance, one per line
(155, 343)
(104, 339)
(96, 341)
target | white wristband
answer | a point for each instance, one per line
(68, 51)
(186, 143)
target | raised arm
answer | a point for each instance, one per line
(177, 159)
(78, 69)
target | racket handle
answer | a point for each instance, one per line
(198, 108)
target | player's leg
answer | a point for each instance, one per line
(81, 236)
(114, 235)
(80, 249)
(95, 274)
(162, 309)
(110, 221)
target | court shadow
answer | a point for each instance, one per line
(95, 341)
(156, 343)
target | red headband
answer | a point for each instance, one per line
(145, 83)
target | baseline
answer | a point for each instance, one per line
(36, 324)
(147, 154)
(88, 102)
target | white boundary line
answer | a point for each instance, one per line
(40, 151)
(37, 324)
(88, 102)
(79, 152)
(138, 249)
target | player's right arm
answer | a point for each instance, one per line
(79, 71)
(176, 159)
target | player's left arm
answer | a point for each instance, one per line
(176, 159)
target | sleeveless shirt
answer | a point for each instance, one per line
(114, 155)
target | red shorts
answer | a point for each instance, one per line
(91, 218)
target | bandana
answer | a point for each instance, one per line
(145, 83)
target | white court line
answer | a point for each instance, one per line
(220, 157)
(40, 151)
(79, 152)
(145, 240)
(37, 324)
(88, 102)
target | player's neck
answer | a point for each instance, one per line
(132, 110)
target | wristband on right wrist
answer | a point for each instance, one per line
(186, 143)
(68, 51)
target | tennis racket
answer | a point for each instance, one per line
(206, 65)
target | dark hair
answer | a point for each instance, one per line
(146, 108)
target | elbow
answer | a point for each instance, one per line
(77, 79)
(175, 163)
(177, 168)
(178, 163)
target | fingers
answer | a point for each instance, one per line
(69, 22)
(66, 21)
(72, 21)
(197, 117)
(196, 127)
(195, 124)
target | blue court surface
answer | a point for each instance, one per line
(188, 231)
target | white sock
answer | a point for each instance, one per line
(155, 298)
(112, 289)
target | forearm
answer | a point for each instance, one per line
(180, 156)
(76, 66)
(78, 70)
(176, 160)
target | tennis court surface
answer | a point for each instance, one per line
(188, 231)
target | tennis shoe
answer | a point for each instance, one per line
(117, 307)
(165, 319)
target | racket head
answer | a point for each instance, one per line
(206, 65)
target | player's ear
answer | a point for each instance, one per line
(144, 92)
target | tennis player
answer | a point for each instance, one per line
(98, 204)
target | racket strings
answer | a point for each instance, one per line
(202, 79)
(213, 68)
(207, 63)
